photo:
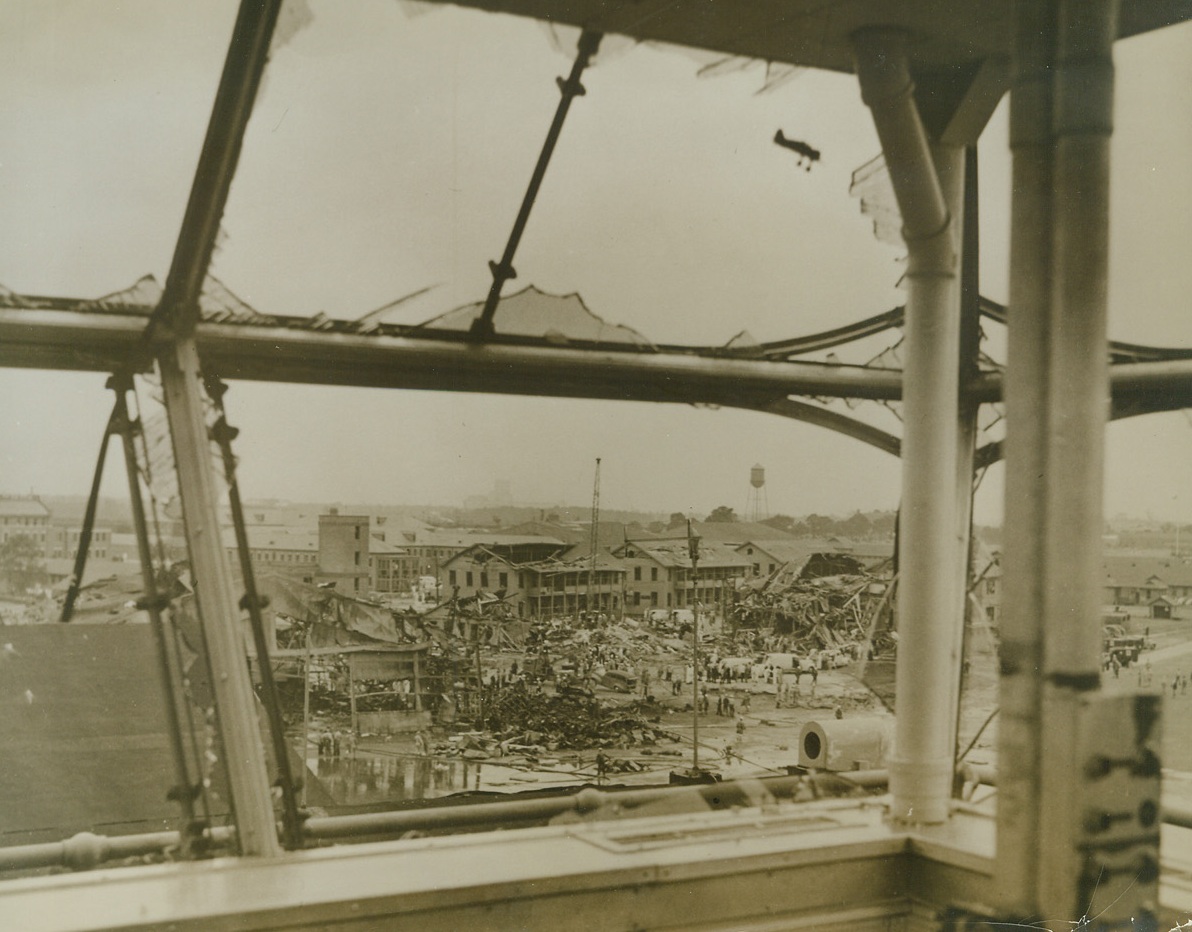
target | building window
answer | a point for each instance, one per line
(637, 573)
(356, 558)
(468, 579)
(484, 580)
(358, 532)
(990, 586)
(451, 578)
(771, 567)
(653, 574)
(503, 580)
(637, 598)
(654, 599)
(757, 569)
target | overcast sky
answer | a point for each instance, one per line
(389, 152)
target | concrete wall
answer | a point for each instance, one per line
(343, 553)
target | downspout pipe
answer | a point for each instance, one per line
(888, 90)
(929, 630)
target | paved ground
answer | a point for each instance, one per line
(390, 768)
(769, 741)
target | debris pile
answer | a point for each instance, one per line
(522, 718)
(815, 611)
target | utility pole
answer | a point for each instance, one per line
(594, 536)
(695, 774)
(693, 552)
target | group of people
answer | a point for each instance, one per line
(335, 744)
(726, 705)
(787, 694)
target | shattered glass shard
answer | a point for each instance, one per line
(871, 185)
(534, 313)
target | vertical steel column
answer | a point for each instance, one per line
(248, 776)
(928, 647)
(1027, 389)
(1057, 396)
(1082, 115)
(966, 222)
(182, 385)
(956, 166)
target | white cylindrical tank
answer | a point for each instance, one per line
(846, 744)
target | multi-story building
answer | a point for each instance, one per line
(285, 551)
(24, 515)
(567, 584)
(987, 589)
(344, 552)
(659, 574)
(394, 569)
(502, 564)
(433, 547)
(63, 543)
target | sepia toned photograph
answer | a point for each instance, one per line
(603, 465)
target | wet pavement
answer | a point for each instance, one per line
(758, 742)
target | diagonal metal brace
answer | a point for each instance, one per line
(80, 564)
(253, 602)
(569, 89)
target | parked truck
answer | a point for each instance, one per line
(1117, 644)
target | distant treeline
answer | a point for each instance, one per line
(858, 526)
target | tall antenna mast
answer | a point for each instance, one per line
(594, 537)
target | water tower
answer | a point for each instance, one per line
(757, 509)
